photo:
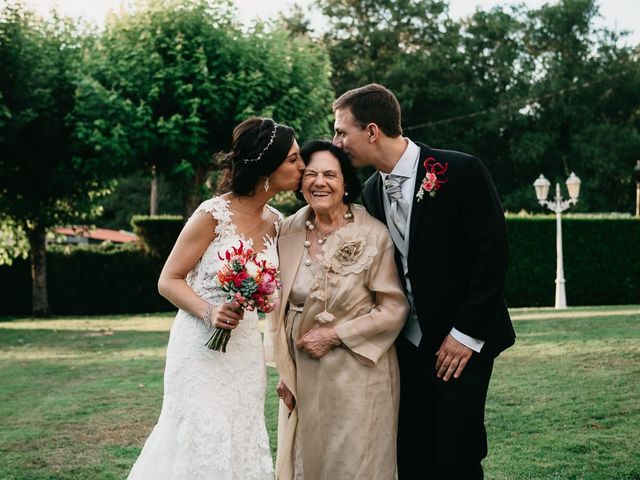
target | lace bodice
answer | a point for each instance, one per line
(202, 277)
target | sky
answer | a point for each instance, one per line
(617, 14)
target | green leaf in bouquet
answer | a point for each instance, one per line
(237, 266)
(248, 287)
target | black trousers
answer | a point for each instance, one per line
(441, 434)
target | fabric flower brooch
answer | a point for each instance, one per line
(349, 250)
(433, 179)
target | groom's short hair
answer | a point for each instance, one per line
(373, 103)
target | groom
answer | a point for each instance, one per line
(445, 218)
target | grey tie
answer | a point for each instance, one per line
(399, 207)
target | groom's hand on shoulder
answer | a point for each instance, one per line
(452, 357)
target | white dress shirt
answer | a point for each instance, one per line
(407, 167)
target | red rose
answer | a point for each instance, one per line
(241, 277)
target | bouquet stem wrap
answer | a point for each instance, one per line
(219, 340)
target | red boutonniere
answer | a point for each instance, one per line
(433, 179)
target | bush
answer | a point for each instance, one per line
(88, 280)
(15, 284)
(157, 234)
(601, 264)
(286, 203)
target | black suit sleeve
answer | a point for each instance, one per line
(484, 228)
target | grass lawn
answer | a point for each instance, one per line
(78, 396)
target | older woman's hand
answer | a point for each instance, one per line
(318, 341)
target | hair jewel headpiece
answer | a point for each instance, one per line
(273, 136)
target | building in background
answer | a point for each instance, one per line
(83, 235)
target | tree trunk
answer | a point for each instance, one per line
(38, 254)
(153, 200)
(192, 199)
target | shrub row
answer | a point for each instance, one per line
(601, 265)
(601, 261)
(157, 234)
(87, 281)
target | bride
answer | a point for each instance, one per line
(212, 420)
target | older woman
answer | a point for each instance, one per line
(342, 307)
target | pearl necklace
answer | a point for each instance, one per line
(311, 227)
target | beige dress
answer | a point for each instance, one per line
(345, 421)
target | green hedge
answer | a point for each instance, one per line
(157, 234)
(286, 202)
(601, 264)
(601, 261)
(87, 280)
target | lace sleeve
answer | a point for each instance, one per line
(279, 219)
(218, 207)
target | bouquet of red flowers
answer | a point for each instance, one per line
(250, 283)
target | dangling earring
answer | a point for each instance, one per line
(266, 184)
(346, 194)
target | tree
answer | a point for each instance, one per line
(296, 20)
(169, 80)
(500, 74)
(526, 90)
(42, 180)
(366, 38)
(149, 96)
(584, 116)
(285, 76)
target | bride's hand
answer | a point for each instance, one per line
(226, 316)
(285, 395)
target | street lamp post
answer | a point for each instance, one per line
(558, 205)
(636, 177)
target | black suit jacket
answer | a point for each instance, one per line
(457, 253)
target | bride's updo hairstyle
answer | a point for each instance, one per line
(259, 147)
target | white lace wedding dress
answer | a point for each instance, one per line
(212, 423)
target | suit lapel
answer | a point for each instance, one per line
(418, 207)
